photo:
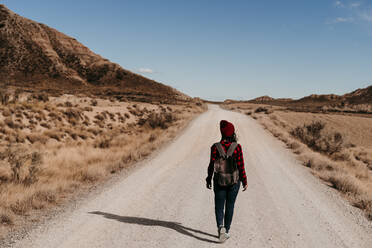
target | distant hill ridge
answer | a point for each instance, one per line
(359, 96)
(37, 56)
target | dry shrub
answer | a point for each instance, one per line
(6, 217)
(142, 121)
(126, 115)
(27, 115)
(261, 109)
(162, 120)
(294, 145)
(314, 137)
(89, 109)
(364, 202)
(33, 138)
(54, 135)
(23, 163)
(345, 183)
(360, 154)
(38, 196)
(136, 112)
(40, 116)
(94, 131)
(45, 125)
(20, 137)
(90, 174)
(86, 123)
(19, 114)
(32, 122)
(10, 123)
(317, 162)
(73, 114)
(152, 138)
(41, 97)
(68, 104)
(83, 135)
(53, 115)
(4, 97)
(5, 171)
(93, 102)
(100, 117)
(121, 119)
(73, 135)
(103, 143)
(7, 112)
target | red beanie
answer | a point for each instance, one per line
(227, 128)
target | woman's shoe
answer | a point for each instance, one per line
(227, 236)
(222, 234)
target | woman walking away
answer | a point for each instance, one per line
(227, 168)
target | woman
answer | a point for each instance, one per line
(226, 195)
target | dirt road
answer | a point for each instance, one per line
(164, 203)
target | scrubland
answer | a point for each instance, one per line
(337, 148)
(53, 147)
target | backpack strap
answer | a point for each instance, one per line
(231, 149)
(220, 149)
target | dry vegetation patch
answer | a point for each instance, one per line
(50, 148)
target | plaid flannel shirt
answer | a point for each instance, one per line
(238, 154)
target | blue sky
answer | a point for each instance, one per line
(224, 49)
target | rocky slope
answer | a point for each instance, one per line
(39, 57)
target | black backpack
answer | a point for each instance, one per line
(226, 171)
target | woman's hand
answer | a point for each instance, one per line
(245, 187)
(209, 183)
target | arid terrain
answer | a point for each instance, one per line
(70, 118)
(49, 149)
(164, 203)
(336, 145)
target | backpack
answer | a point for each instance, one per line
(225, 167)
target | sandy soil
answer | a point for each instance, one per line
(164, 203)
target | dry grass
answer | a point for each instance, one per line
(358, 129)
(75, 152)
(6, 217)
(337, 148)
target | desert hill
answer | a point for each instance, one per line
(263, 99)
(359, 96)
(35, 56)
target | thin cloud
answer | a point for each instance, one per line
(341, 20)
(366, 15)
(146, 70)
(351, 5)
(355, 5)
(339, 4)
(357, 11)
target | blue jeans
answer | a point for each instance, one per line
(225, 196)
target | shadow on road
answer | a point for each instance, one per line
(178, 227)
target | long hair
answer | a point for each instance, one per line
(231, 138)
